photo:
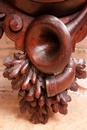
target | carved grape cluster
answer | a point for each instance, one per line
(32, 88)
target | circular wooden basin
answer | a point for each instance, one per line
(54, 7)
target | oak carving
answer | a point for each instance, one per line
(45, 71)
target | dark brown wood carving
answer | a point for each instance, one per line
(46, 31)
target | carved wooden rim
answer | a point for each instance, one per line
(48, 1)
(48, 60)
(53, 7)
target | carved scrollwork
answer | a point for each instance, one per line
(13, 25)
(79, 36)
(45, 71)
(19, 22)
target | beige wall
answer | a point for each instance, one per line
(81, 50)
(7, 48)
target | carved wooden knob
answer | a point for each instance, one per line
(16, 23)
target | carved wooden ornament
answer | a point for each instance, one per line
(45, 71)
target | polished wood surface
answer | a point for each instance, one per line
(38, 7)
(45, 71)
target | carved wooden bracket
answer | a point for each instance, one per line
(45, 71)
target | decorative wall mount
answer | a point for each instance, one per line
(45, 71)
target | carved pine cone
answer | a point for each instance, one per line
(31, 84)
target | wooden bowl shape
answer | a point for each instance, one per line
(54, 7)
